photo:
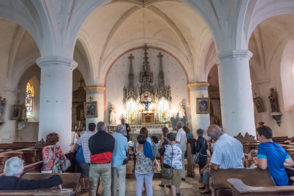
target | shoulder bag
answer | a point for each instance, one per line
(166, 170)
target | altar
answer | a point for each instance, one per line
(147, 103)
(148, 118)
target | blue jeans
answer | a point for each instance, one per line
(205, 177)
(147, 178)
(121, 173)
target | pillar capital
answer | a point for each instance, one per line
(235, 54)
(198, 85)
(57, 61)
(99, 89)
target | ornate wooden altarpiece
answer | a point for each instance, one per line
(146, 93)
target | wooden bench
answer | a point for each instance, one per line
(70, 185)
(239, 188)
(39, 192)
(4, 156)
(70, 180)
(251, 177)
(33, 167)
(280, 139)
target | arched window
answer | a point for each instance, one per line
(29, 100)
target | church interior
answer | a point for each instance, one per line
(65, 64)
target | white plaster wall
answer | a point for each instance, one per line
(29, 133)
(118, 78)
(7, 130)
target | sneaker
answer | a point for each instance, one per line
(183, 179)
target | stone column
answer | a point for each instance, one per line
(235, 92)
(198, 90)
(96, 93)
(55, 113)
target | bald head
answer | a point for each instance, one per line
(214, 131)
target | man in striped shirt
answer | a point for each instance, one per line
(101, 146)
(84, 142)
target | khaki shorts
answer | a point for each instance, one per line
(176, 179)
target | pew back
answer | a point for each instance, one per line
(70, 180)
(241, 189)
(251, 177)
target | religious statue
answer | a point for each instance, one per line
(274, 100)
(112, 115)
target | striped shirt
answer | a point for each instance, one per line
(84, 142)
(227, 152)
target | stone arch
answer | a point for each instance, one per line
(259, 11)
(287, 75)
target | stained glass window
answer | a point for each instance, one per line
(29, 100)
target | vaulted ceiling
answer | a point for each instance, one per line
(121, 25)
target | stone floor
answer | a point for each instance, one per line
(190, 187)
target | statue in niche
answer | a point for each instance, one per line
(112, 115)
(273, 98)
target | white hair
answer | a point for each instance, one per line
(13, 166)
(119, 128)
(180, 124)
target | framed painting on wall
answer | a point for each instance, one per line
(90, 109)
(202, 105)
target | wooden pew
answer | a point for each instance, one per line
(16, 145)
(239, 188)
(40, 192)
(70, 180)
(280, 139)
(251, 177)
(4, 156)
(33, 167)
(70, 185)
(29, 155)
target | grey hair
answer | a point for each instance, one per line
(214, 131)
(101, 126)
(119, 128)
(180, 124)
(13, 166)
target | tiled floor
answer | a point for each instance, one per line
(188, 188)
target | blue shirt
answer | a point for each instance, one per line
(227, 152)
(190, 135)
(275, 155)
(120, 149)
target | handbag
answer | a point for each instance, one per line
(65, 165)
(197, 155)
(156, 166)
(80, 156)
(167, 170)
